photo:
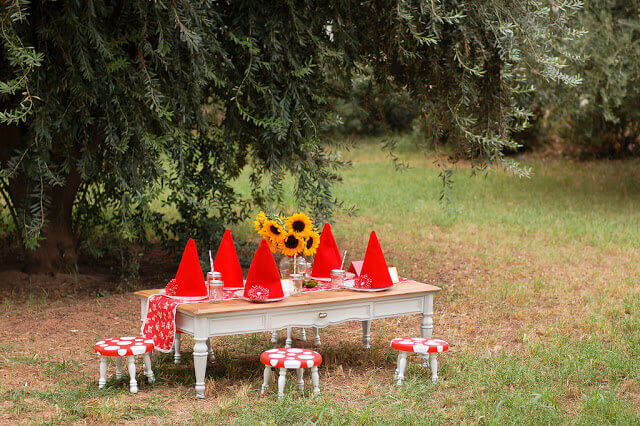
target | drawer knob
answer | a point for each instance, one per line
(322, 314)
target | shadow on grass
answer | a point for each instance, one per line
(239, 359)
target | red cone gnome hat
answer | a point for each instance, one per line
(374, 265)
(189, 281)
(327, 256)
(227, 262)
(263, 280)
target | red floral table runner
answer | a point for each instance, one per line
(160, 324)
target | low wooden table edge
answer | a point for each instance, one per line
(203, 320)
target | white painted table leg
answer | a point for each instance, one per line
(315, 378)
(433, 358)
(303, 334)
(266, 377)
(102, 381)
(212, 356)
(300, 378)
(133, 384)
(289, 340)
(317, 341)
(177, 357)
(274, 336)
(282, 379)
(118, 368)
(148, 371)
(366, 334)
(426, 324)
(200, 354)
(402, 365)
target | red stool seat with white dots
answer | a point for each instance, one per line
(291, 358)
(419, 345)
(428, 347)
(119, 348)
(124, 346)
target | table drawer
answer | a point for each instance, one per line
(386, 308)
(320, 317)
(239, 324)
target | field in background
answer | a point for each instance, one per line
(540, 302)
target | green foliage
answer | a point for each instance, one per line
(116, 93)
(109, 101)
(605, 112)
(372, 109)
(464, 62)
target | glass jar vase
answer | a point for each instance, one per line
(286, 266)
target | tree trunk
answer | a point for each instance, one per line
(58, 248)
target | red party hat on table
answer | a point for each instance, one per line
(227, 262)
(189, 281)
(263, 280)
(327, 256)
(374, 267)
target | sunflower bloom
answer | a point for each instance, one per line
(272, 230)
(291, 244)
(311, 243)
(260, 219)
(299, 224)
(273, 245)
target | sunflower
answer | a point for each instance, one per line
(273, 245)
(311, 243)
(291, 244)
(260, 219)
(272, 230)
(299, 223)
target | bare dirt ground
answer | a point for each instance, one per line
(50, 323)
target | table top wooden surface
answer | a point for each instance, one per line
(306, 299)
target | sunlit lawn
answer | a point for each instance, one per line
(540, 303)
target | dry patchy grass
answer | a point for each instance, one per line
(540, 303)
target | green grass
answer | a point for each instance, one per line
(540, 302)
(594, 202)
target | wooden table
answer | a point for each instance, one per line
(312, 309)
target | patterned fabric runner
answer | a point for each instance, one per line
(160, 324)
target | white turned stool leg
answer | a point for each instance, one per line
(267, 377)
(433, 361)
(274, 336)
(395, 374)
(315, 377)
(118, 368)
(146, 362)
(133, 384)
(317, 341)
(402, 365)
(303, 334)
(103, 372)
(281, 382)
(176, 349)
(289, 341)
(212, 356)
(300, 378)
